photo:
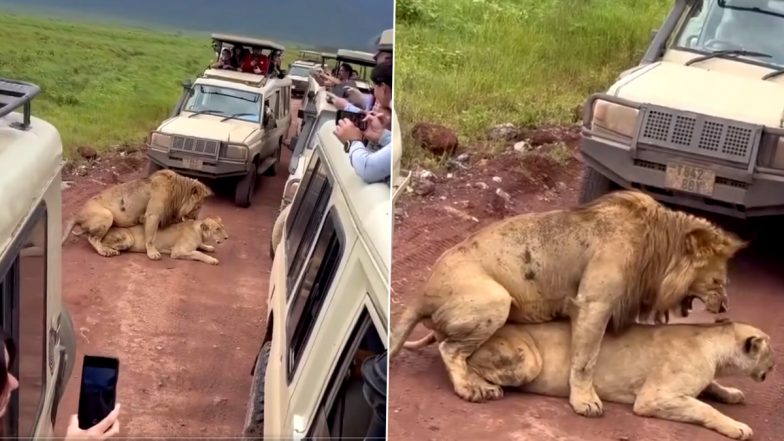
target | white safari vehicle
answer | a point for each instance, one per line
(328, 302)
(227, 124)
(698, 122)
(31, 309)
(360, 61)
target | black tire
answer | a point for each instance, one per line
(595, 185)
(273, 169)
(254, 415)
(152, 168)
(243, 192)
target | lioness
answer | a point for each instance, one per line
(161, 199)
(661, 369)
(182, 240)
(622, 257)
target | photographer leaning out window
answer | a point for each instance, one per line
(370, 151)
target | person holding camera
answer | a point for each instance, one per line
(370, 150)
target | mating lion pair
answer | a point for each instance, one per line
(620, 259)
(155, 214)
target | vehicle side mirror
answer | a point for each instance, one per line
(187, 84)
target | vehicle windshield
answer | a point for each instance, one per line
(224, 102)
(732, 25)
(299, 71)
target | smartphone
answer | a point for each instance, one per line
(98, 391)
(358, 119)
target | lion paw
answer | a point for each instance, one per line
(734, 396)
(586, 403)
(478, 393)
(737, 430)
(109, 252)
(213, 262)
(154, 254)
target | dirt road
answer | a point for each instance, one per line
(186, 333)
(423, 405)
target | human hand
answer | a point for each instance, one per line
(105, 429)
(339, 103)
(347, 131)
(375, 126)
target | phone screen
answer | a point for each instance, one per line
(98, 390)
(358, 119)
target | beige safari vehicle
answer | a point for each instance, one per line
(299, 71)
(328, 304)
(227, 124)
(31, 306)
(699, 122)
(361, 62)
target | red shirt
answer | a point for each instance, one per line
(250, 63)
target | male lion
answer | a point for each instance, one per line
(182, 240)
(620, 258)
(661, 369)
(161, 199)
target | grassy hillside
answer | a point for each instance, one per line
(472, 64)
(101, 85)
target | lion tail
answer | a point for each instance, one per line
(429, 339)
(411, 317)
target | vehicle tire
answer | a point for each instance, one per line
(243, 192)
(254, 414)
(273, 169)
(152, 168)
(595, 185)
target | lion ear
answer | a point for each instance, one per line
(752, 345)
(204, 226)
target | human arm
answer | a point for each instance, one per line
(371, 166)
(105, 429)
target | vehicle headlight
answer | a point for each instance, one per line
(160, 141)
(237, 152)
(614, 118)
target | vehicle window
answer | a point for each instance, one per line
(309, 296)
(306, 217)
(224, 102)
(752, 25)
(344, 412)
(24, 318)
(299, 71)
(287, 101)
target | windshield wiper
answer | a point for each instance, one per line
(236, 115)
(773, 74)
(728, 52)
(202, 112)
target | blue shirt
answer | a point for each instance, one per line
(372, 166)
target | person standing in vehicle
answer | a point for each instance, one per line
(105, 429)
(374, 374)
(274, 68)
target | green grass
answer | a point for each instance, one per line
(102, 85)
(472, 64)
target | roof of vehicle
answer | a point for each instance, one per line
(386, 41)
(249, 41)
(368, 203)
(305, 63)
(359, 57)
(29, 160)
(240, 80)
(329, 54)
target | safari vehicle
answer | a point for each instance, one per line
(227, 124)
(299, 72)
(698, 123)
(361, 61)
(31, 306)
(327, 306)
(309, 56)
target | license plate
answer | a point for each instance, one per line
(689, 178)
(193, 163)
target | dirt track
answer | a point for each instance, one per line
(422, 403)
(186, 333)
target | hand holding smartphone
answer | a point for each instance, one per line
(356, 118)
(98, 390)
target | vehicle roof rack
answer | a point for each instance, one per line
(14, 94)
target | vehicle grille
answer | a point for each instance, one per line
(196, 146)
(701, 134)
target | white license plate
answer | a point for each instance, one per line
(193, 163)
(690, 178)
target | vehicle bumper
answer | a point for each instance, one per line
(734, 193)
(211, 168)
